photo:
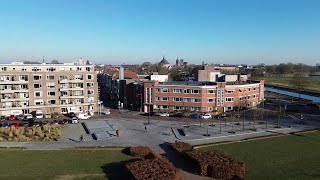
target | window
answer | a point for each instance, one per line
(38, 102)
(186, 99)
(50, 77)
(24, 86)
(248, 97)
(254, 89)
(23, 78)
(78, 68)
(51, 101)
(52, 93)
(38, 94)
(228, 99)
(177, 107)
(89, 76)
(63, 77)
(195, 91)
(165, 98)
(230, 108)
(186, 91)
(229, 92)
(37, 77)
(164, 107)
(37, 86)
(210, 108)
(196, 100)
(158, 98)
(195, 109)
(177, 91)
(210, 100)
(4, 68)
(24, 69)
(88, 69)
(177, 99)
(78, 77)
(165, 90)
(90, 91)
(36, 69)
(51, 69)
(249, 89)
(211, 91)
(50, 85)
(254, 96)
(241, 98)
(157, 89)
(90, 84)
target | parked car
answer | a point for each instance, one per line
(179, 115)
(74, 120)
(206, 116)
(2, 118)
(195, 116)
(36, 123)
(83, 116)
(164, 114)
(29, 116)
(20, 117)
(5, 125)
(61, 122)
(55, 122)
(12, 117)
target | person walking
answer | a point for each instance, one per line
(145, 128)
(81, 138)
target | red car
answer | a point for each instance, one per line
(12, 117)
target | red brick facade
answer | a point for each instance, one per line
(169, 97)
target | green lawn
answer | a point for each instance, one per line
(311, 84)
(60, 164)
(287, 157)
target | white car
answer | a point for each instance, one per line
(164, 114)
(29, 116)
(206, 116)
(74, 120)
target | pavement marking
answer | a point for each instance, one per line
(232, 135)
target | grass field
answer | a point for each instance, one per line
(286, 157)
(60, 164)
(311, 84)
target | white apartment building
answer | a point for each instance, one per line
(52, 88)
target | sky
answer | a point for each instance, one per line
(136, 31)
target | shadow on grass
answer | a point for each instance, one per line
(117, 170)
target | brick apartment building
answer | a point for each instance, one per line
(201, 96)
(52, 88)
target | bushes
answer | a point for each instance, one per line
(213, 164)
(216, 165)
(44, 133)
(153, 166)
(157, 168)
(181, 146)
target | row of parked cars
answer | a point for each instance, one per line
(192, 116)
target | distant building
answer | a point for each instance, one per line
(51, 88)
(165, 63)
(201, 96)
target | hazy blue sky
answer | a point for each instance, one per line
(134, 31)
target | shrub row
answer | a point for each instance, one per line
(153, 166)
(181, 147)
(214, 164)
(156, 168)
(44, 133)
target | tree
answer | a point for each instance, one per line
(298, 82)
(55, 62)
